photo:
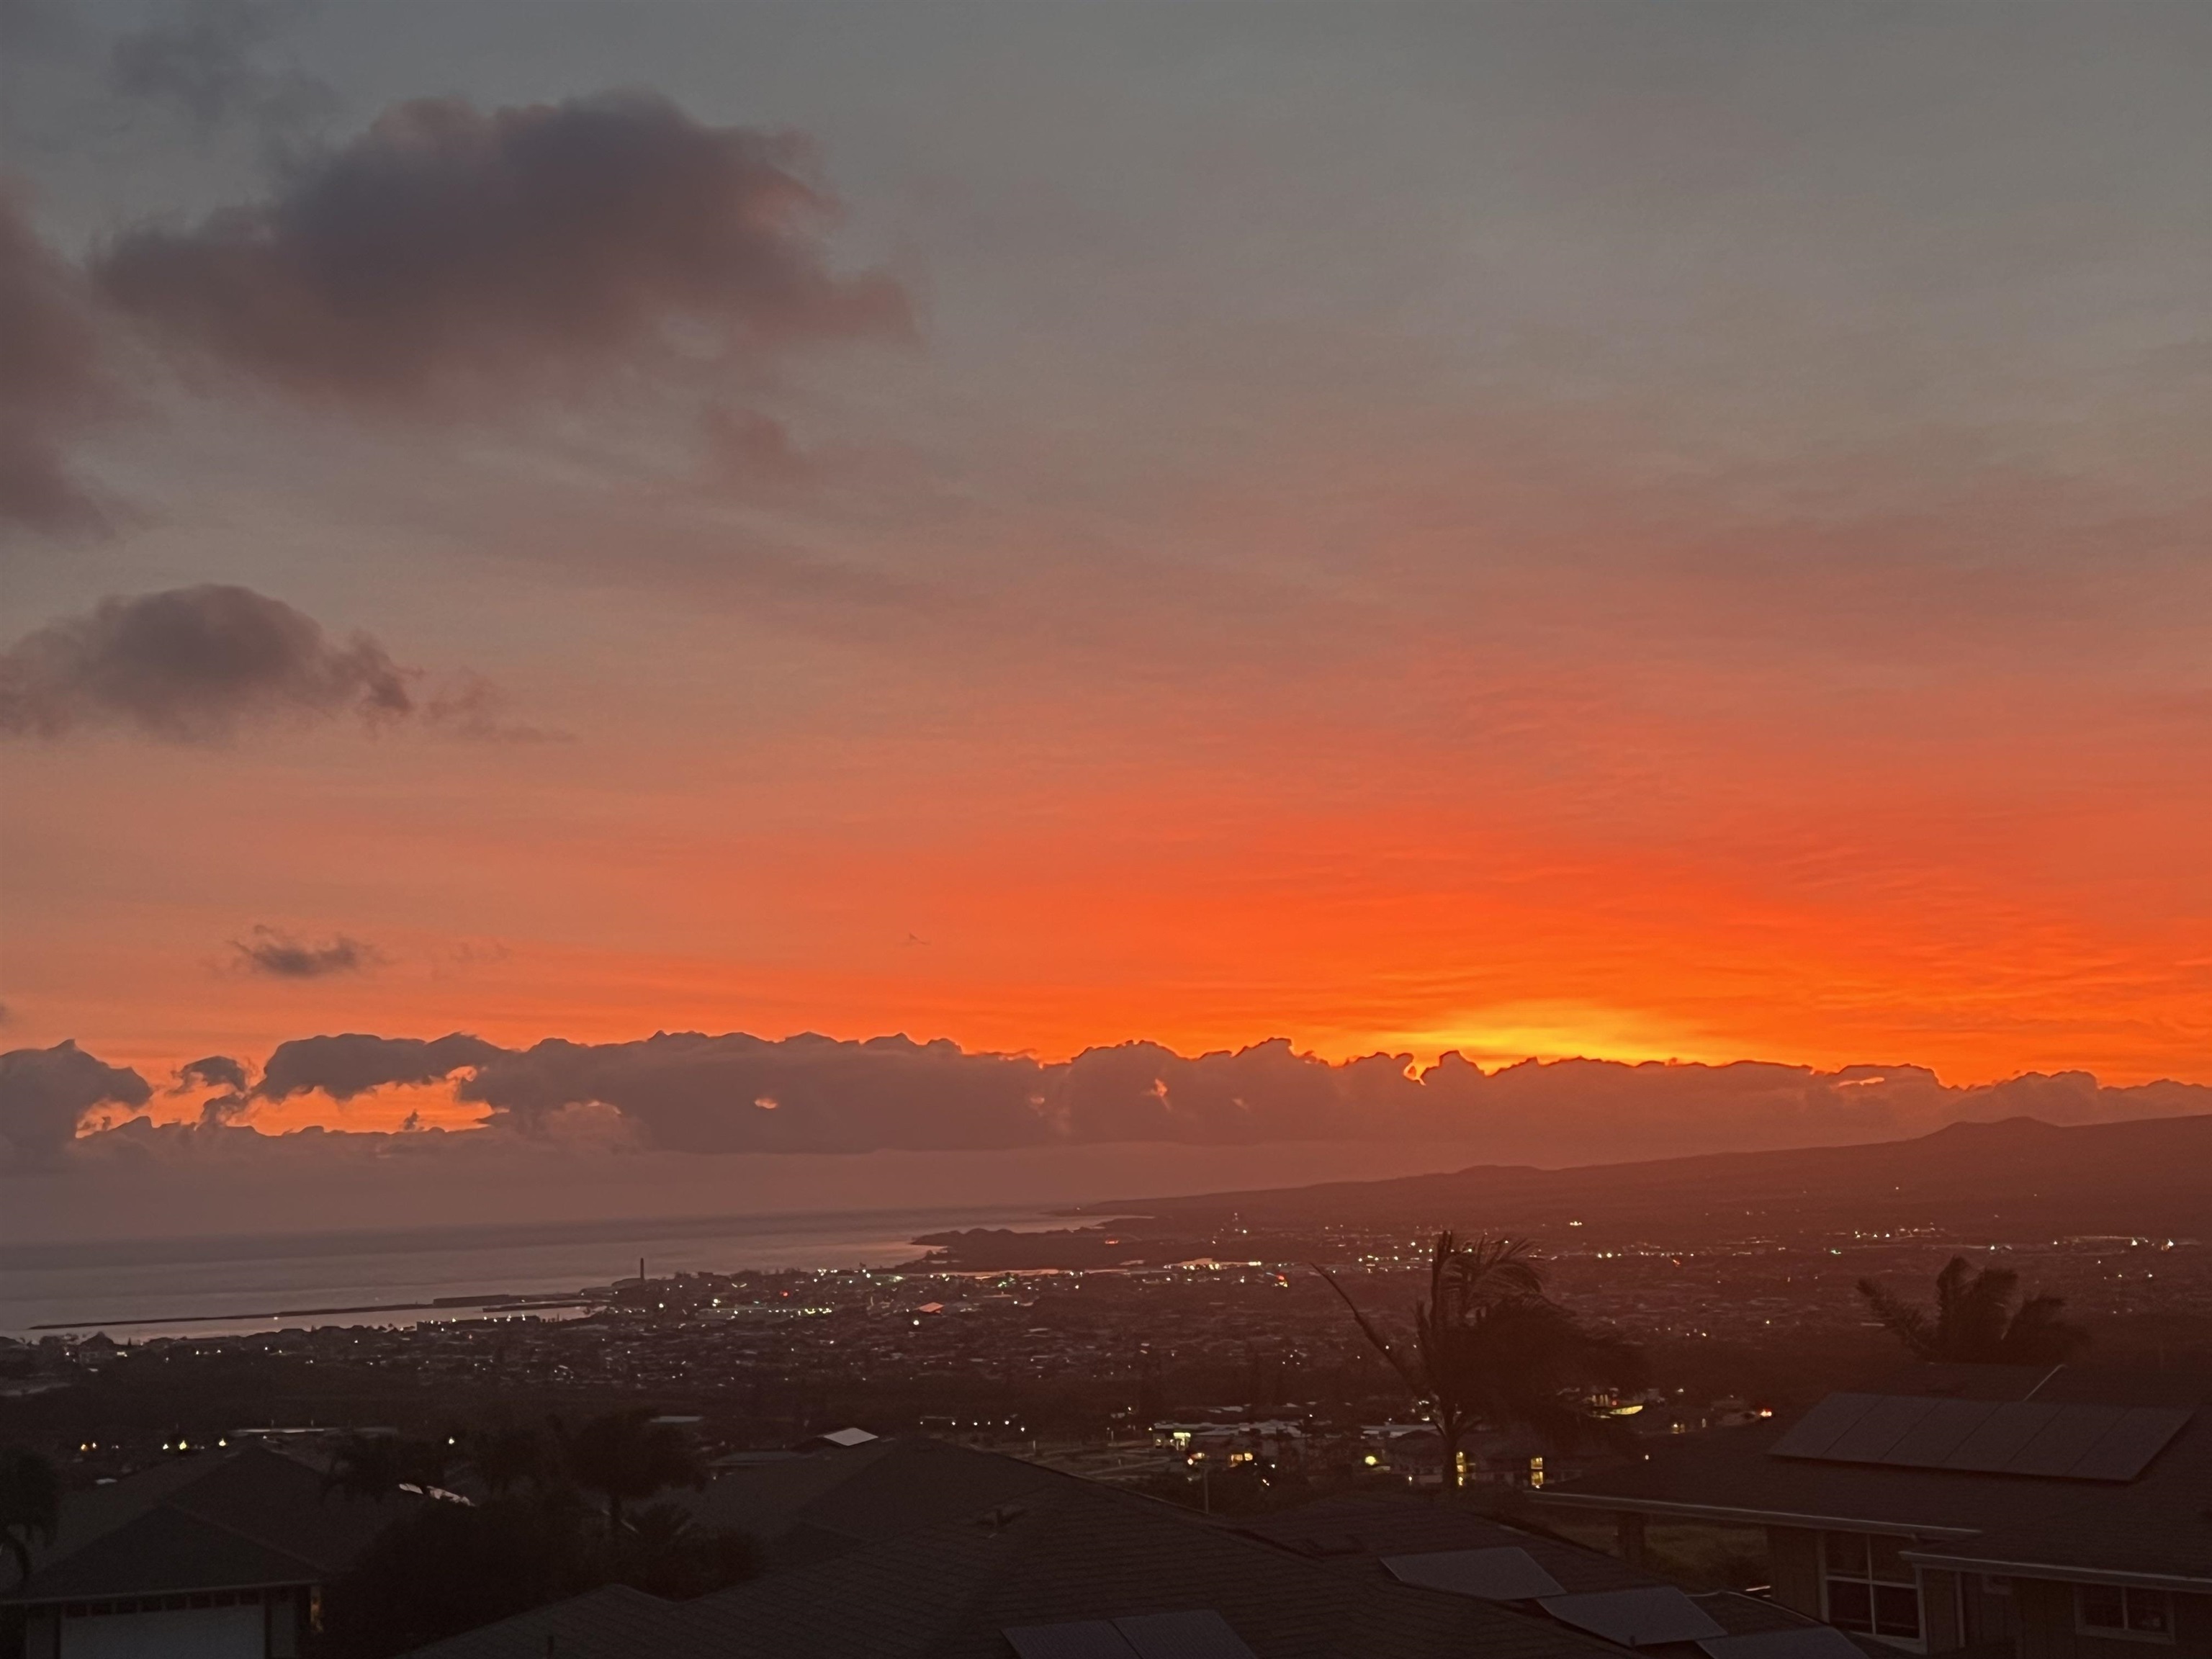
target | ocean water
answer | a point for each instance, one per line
(138, 1288)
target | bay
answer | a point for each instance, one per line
(171, 1286)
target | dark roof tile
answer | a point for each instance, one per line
(251, 1517)
(616, 1622)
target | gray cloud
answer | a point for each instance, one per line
(282, 956)
(806, 1093)
(465, 704)
(354, 1063)
(45, 1092)
(220, 1073)
(446, 256)
(215, 1072)
(191, 665)
(210, 60)
(693, 1092)
(53, 389)
(39, 28)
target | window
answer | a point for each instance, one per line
(1871, 1589)
(2144, 1616)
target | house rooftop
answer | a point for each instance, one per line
(912, 1546)
(2148, 1525)
(250, 1518)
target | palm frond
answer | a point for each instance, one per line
(1900, 1319)
(1978, 1319)
(1406, 1373)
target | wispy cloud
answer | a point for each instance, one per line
(280, 954)
(214, 60)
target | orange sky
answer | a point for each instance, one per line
(1689, 547)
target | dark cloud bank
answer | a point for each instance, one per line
(696, 1093)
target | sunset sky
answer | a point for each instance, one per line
(1637, 532)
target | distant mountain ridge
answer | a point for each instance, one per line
(2015, 1177)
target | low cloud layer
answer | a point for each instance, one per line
(51, 387)
(739, 1093)
(280, 954)
(355, 1063)
(45, 1093)
(690, 1093)
(447, 255)
(197, 664)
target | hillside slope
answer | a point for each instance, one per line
(2017, 1178)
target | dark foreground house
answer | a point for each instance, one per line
(221, 1555)
(2011, 1511)
(907, 1548)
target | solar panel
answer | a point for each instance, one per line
(1868, 1440)
(1496, 1575)
(1936, 1436)
(1806, 1642)
(1201, 1635)
(2070, 1441)
(2058, 1447)
(2009, 1426)
(1813, 1433)
(1635, 1618)
(2129, 1445)
(1093, 1639)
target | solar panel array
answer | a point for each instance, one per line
(1495, 1575)
(1635, 1618)
(1201, 1635)
(1987, 1437)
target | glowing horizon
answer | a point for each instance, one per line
(1655, 541)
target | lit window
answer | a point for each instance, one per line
(1870, 1587)
(2147, 1615)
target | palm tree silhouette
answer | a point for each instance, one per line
(1489, 1345)
(1979, 1319)
(30, 1504)
(626, 1456)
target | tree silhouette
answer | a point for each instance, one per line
(441, 1569)
(506, 1455)
(667, 1552)
(1489, 1345)
(626, 1456)
(375, 1466)
(1979, 1319)
(30, 1504)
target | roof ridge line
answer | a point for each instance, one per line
(314, 1568)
